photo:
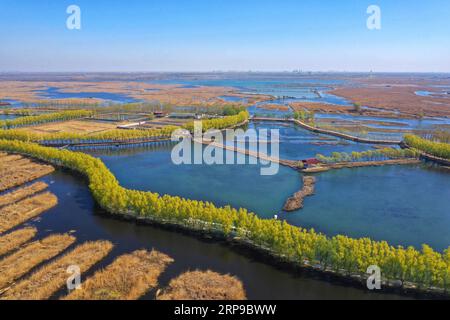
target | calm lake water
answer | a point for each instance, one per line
(76, 211)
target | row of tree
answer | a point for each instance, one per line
(304, 247)
(45, 118)
(221, 123)
(116, 135)
(369, 155)
(438, 149)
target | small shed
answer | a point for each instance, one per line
(311, 162)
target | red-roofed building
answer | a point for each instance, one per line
(310, 162)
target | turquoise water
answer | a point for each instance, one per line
(408, 205)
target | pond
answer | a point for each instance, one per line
(77, 211)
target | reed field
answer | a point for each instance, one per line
(17, 213)
(198, 285)
(20, 170)
(47, 280)
(21, 262)
(22, 193)
(129, 277)
(16, 239)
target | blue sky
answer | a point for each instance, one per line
(198, 35)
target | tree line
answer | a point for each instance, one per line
(221, 123)
(45, 118)
(369, 155)
(438, 149)
(342, 254)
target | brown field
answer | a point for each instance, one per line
(21, 262)
(5, 158)
(15, 214)
(50, 278)
(207, 285)
(21, 170)
(72, 126)
(15, 239)
(22, 193)
(399, 97)
(127, 278)
(167, 94)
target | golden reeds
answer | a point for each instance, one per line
(22, 193)
(15, 214)
(15, 239)
(15, 174)
(21, 262)
(50, 278)
(198, 285)
(127, 278)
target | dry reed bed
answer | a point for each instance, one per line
(15, 239)
(22, 193)
(46, 281)
(296, 201)
(16, 164)
(198, 285)
(127, 278)
(5, 158)
(21, 262)
(13, 174)
(16, 214)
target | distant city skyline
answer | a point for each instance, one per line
(224, 35)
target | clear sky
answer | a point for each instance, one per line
(206, 35)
